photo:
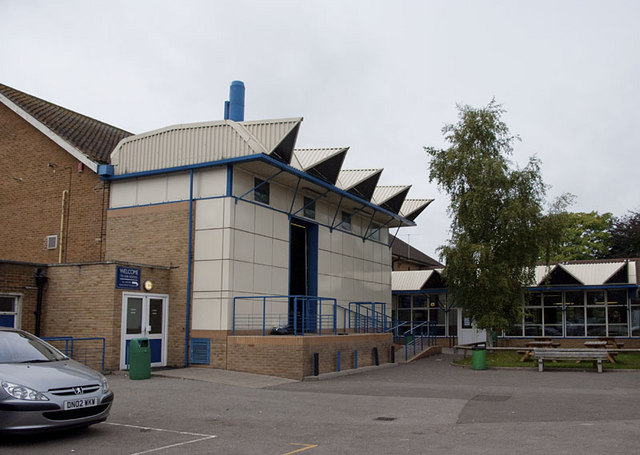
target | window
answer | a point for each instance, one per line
(346, 221)
(9, 311)
(375, 231)
(261, 191)
(309, 208)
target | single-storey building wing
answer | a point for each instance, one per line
(569, 301)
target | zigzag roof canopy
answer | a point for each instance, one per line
(411, 208)
(359, 182)
(324, 164)
(390, 197)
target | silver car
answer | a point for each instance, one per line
(42, 389)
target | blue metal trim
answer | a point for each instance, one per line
(272, 162)
(309, 204)
(422, 291)
(581, 288)
(336, 215)
(258, 186)
(229, 180)
(188, 167)
(293, 199)
(187, 327)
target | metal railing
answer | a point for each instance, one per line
(284, 314)
(89, 351)
(367, 317)
(417, 335)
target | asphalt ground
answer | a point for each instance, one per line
(424, 407)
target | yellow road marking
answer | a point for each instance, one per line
(305, 447)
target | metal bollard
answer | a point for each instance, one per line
(376, 361)
(339, 366)
(316, 366)
(392, 354)
(355, 359)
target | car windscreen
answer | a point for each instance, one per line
(19, 347)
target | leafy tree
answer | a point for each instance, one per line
(625, 236)
(498, 228)
(585, 236)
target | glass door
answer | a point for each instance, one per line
(144, 316)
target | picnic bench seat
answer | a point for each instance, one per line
(597, 355)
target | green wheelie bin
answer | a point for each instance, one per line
(139, 359)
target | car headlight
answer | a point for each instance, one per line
(105, 384)
(22, 393)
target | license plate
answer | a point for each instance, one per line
(80, 403)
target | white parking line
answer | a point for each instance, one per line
(203, 437)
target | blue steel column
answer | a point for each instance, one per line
(187, 327)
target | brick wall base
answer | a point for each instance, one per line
(292, 356)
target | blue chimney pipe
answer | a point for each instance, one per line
(234, 108)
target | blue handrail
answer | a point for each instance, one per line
(70, 351)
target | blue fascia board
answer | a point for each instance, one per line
(531, 289)
(580, 288)
(422, 291)
(272, 162)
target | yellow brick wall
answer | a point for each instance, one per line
(36, 171)
(82, 301)
(157, 235)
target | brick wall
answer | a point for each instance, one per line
(18, 279)
(82, 301)
(36, 171)
(292, 356)
(218, 350)
(158, 235)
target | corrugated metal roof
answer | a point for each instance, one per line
(411, 280)
(182, 145)
(322, 163)
(383, 193)
(390, 197)
(589, 274)
(411, 208)
(349, 178)
(304, 159)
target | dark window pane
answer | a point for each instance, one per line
(261, 191)
(7, 304)
(346, 221)
(155, 315)
(419, 301)
(635, 321)
(134, 316)
(309, 208)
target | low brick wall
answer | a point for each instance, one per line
(292, 356)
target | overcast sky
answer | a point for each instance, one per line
(382, 77)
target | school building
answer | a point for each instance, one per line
(204, 238)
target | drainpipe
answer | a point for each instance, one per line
(41, 280)
(65, 195)
(189, 273)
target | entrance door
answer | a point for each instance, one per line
(303, 275)
(467, 331)
(145, 316)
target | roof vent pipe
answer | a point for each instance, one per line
(234, 108)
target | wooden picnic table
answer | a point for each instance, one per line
(612, 342)
(537, 343)
(602, 344)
